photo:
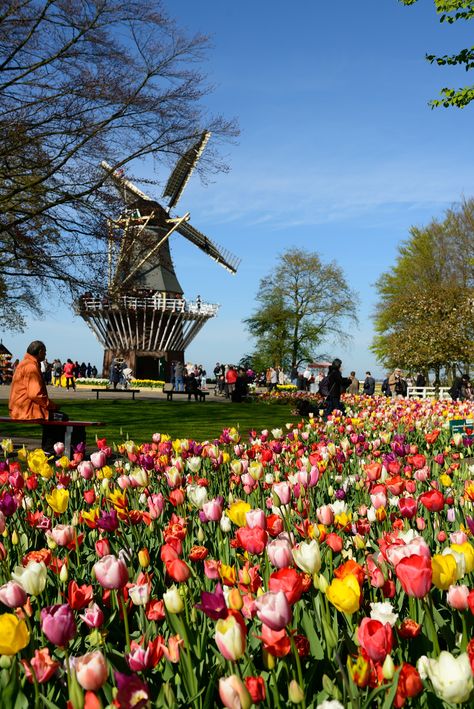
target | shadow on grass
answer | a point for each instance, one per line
(139, 419)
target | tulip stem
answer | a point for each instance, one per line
(298, 668)
(431, 627)
(122, 605)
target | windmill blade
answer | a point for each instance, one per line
(183, 170)
(129, 190)
(222, 256)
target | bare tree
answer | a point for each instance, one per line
(81, 81)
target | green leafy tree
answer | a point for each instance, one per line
(451, 11)
(423, 316)
(300, 304)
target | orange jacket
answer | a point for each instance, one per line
(28, 396)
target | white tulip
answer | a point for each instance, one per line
(32, 578)
(450, 676)
(307, 557)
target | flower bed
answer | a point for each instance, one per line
(325, 564)
(136, 383)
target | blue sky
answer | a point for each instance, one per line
(339, 153)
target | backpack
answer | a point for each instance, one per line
(323, 387)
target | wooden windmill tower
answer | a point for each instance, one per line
(144, 316)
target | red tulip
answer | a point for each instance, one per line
(178, 570)
(256, 688)
(376, 638)
(252, 539)
(290, 581)
(407, 507)
(414, 573)
(432, 500)
(79, 596)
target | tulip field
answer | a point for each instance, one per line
(321, 564)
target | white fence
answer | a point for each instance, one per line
(428, 392)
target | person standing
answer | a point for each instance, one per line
(397, 384)
(337, 384)
(178, 376)
(230, 379)
(369, 385)
(354, 385)
(68, 370)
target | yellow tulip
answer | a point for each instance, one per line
(444, 570)
(36, 460)
(237, 511)
(14, 634)
(344, 594)
(467, 550)
(105, 473)
(58, 500)
(46, 471)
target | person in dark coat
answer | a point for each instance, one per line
(460, 389)
(420, 380)
(369, 384)
(337, 384)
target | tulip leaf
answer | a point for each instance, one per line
(314, 641)
(388, 703)
(21, 702)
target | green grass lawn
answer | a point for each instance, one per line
(181, 419)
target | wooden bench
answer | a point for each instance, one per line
(69, 426)
(170, 391)
(116, 391)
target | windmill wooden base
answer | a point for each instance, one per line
(149, 333)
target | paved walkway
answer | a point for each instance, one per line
(84, 393)
(57, 393)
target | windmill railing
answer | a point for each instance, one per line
(158, 302)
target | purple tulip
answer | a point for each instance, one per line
(108, 521)
(213, 604)
(57, 623)
(8, 504)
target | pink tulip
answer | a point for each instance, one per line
(279, 553)
(212, 510)
(86, 469)
(139, 658)
(124, 482)
(458, 537)
(57, 623)
(273, 610)
(256, 518)
(283, 492)
(98, 459)
(457, 597)
(13, 595)
(62, 534)
(59, 448)
(233, 693)
(156, 505)
(325, 515)
(111, 572)
(91, 670)
(93, 616)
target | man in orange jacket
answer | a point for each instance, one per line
(28, 396)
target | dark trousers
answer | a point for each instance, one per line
(333, 403)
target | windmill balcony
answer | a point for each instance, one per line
(158, 302)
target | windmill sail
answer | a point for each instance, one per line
(178, 179)
(222, 256)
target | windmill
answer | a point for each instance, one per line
(144, 316)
